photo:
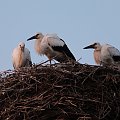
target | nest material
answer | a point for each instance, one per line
(61, 92)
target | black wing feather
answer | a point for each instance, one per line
(64, 49)
(116, 58)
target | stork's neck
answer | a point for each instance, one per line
(20, 56)
(37, 45)
(97, 56)
(98, 48)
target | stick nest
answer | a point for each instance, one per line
(60, 92)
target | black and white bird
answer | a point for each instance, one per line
(21, 56)
(105, 54)
(53, 47)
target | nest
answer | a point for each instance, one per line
(60, 92)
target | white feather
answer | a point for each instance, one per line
(49, 41)
(53, 40)
(108, 50)
(103, 54)
(20, 58)
(26, 55)
(44, 46)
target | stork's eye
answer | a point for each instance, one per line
(37, 35)
(95, 44)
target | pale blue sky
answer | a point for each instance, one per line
(78, 22)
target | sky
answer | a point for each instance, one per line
(78, 22)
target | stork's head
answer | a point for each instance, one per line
(36, 36)
(21, 45)
(95, 46)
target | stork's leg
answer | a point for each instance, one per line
(50, 62)
(50, 59)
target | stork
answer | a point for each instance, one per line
(53, 47)
(21, 56)
(105, 54)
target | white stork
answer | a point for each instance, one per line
(21, 56)
(53, 47)
(105, 54)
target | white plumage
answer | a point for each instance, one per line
(105, 54)
(52, 46)
(21, 56)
